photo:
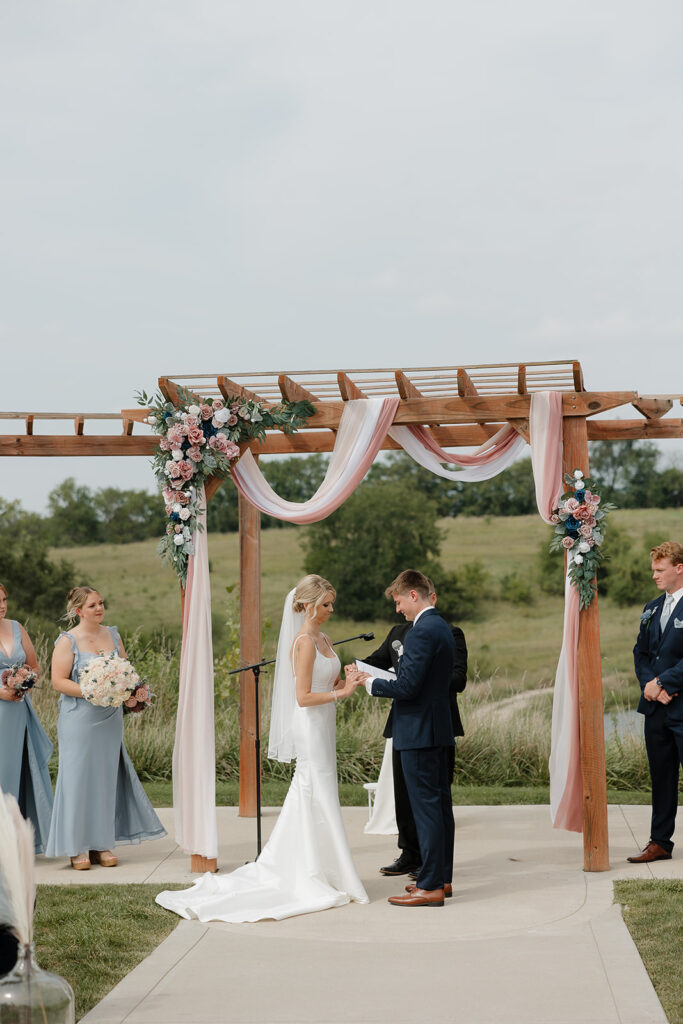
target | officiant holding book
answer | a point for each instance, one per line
(387, 657)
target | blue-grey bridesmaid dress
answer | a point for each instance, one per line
(99, 800)
(25, 751)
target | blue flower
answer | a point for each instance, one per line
(572, 524)
(580, 495)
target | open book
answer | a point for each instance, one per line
(376, 673)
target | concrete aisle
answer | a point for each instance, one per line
(528, 937)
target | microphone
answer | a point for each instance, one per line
(367, 636)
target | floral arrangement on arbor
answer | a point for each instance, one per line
(580, 523)
(200, 438)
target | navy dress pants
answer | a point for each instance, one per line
(426, 773)
(664, 744)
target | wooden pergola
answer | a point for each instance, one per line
(463, 406)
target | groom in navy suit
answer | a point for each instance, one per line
(423, 733)
(658, 657)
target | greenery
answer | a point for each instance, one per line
(118, 926)
(581, 524)
(652, 911)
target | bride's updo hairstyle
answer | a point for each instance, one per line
(311, 590)
(75, 599)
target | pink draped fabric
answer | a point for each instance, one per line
(362, 429)
(502, 442)
(194, 752)
(486, 462)
(566, 791)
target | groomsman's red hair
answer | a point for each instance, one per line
(670, 549)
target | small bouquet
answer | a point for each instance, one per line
(18, 677)
(109, 681)
(139, 699)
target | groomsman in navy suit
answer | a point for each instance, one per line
(658, 657)
(423, 733)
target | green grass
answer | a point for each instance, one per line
(652, 911)
(94, 935)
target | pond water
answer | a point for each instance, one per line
(623, 723)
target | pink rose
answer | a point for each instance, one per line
(173, 469)
(195, 454)
(232, 450)
(218, 403)
(191, 422)
(176, 435)
(231, 420)
(567, 542)
(131, 702)
(590, 542)
(168, 494)
(554, 518)
(220, 441)
(196, 437)
(186, 470)
(207, 412)
(176, 483)
(169, 509)
(182, 498)
(585, 530)
(169, 529)
(165, 444)
(571, 505)
(595, 498)
(177, 528)
(582, 513)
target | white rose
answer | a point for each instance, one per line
(176, 507)
(578, 475)
(194, 410)
(221, 415)
(584, 546)
(184, 415)
(578, 559)
(178, 539)
(151, 420)
(184, 514)
(176, 454)
(579, 485)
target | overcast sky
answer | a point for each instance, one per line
(217, 186)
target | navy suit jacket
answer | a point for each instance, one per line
(422, 713)
(660, 655)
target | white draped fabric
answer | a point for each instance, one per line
(383, 818)
(488, 461)
(194, 752)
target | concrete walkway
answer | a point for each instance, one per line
(528, 938)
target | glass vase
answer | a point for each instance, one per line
(30, 995)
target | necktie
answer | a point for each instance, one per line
(666, 611)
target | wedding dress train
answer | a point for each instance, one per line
(306, 865)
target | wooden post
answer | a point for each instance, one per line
(250, 648)
(591, 720)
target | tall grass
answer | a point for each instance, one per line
(507, 741)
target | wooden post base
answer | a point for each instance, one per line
(200, 864)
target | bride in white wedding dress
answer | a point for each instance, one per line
(306, 864)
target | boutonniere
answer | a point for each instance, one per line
(646, 617)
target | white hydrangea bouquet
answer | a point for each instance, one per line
(109, 681)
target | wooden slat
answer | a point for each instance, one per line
(293, 392)
(634, 430)
(577, 373)
(591, 721)
(347, 389)
(653, 408)
(57, 446)
(78, 425)
(169, 390)
(231, 389)
(29, 425)
(405, 386)
(521, 380)
(128, 427)
(466, 387)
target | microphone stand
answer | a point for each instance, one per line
(256, 669)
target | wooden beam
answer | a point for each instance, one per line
(347, 389)
(128, 427)
(139, 415)
(250, 649)
(405, 386)
(29, 425)
(78, 425)
(591, 719)
(653, 408)
(169, 390)
(58, 446)
(230, 389)
(291, 391)
(466, 388)
(578, 376)
(521, 379)
(633, 430)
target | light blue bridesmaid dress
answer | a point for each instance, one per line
(24, 752)
(99, 800)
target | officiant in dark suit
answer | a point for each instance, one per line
(422, 731)
(658, 658)
(387, 656)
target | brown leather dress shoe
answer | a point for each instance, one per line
(447, 889)
(653, 851)
(419, 898)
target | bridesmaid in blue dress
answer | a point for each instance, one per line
(24, 746)
(99, 800)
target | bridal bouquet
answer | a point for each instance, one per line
(18, 677)
(109, 681)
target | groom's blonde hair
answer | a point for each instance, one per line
(410, 579)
